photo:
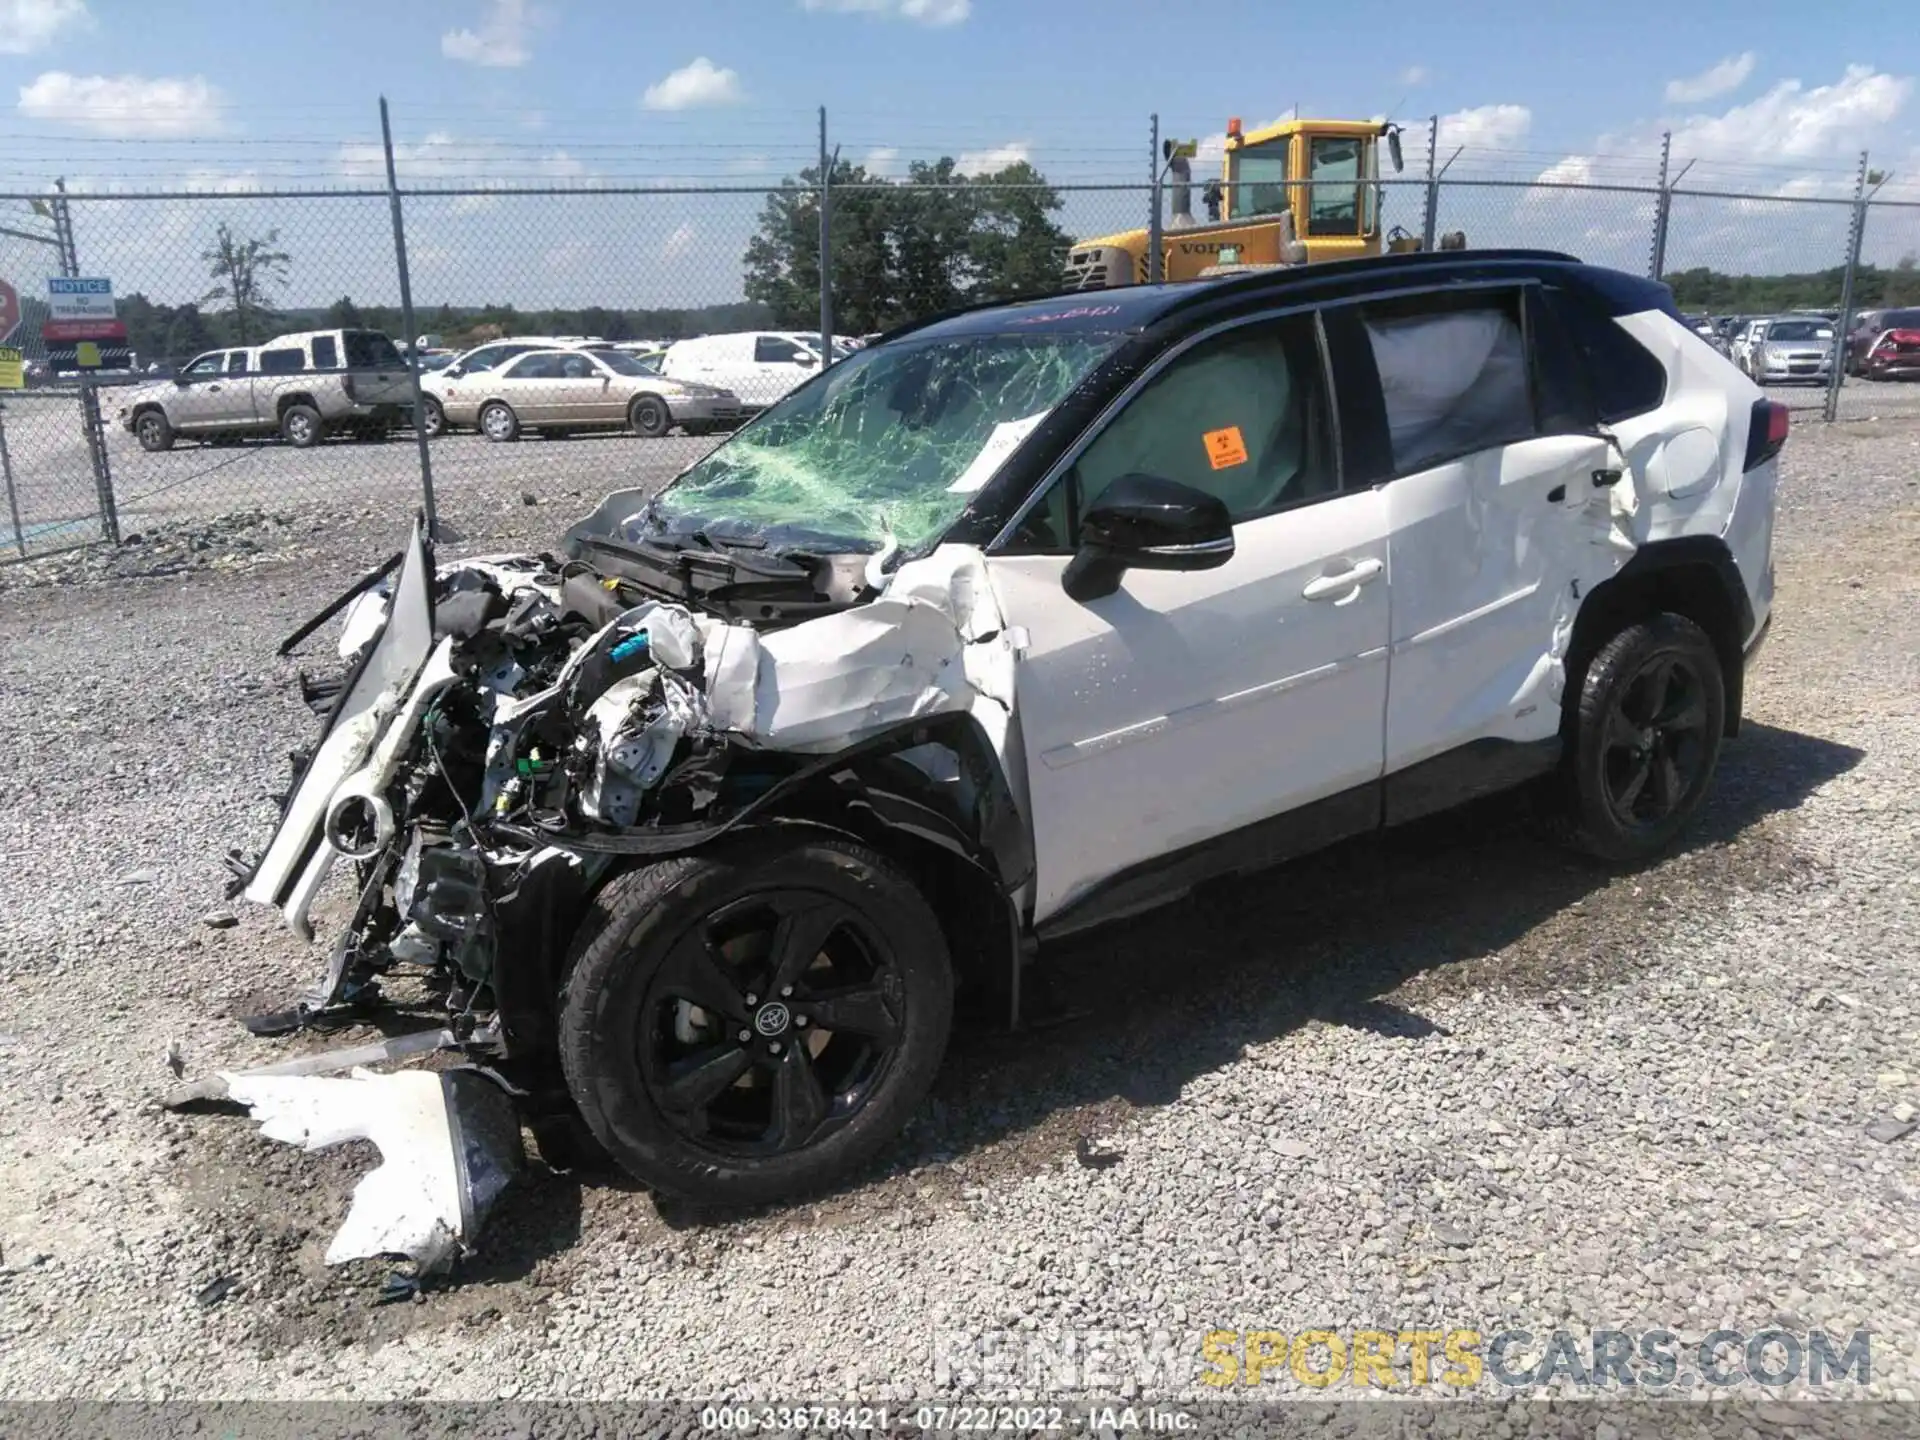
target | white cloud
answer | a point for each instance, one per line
(924, 12)
(699, 83)
(883, 160)
(1716, 80)
(1414, 75)
(30, 25)
(1485, 127)
(122, 105)
(501, 40)
(1791, 122)
(1573, 170)
(679, 242)
(988, 162)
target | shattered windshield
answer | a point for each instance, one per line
(888, 444)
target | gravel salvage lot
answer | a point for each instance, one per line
(1452, 1079)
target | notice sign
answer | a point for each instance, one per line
(78, 298)
(9, 310)
(13, 370)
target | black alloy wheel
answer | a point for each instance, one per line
(754, 1020)
(770, 1025)
(1656, 741)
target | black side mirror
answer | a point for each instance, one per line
(1146, 522)
(1393, 149)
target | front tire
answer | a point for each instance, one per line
(301, 427)
(433, 419)
(153, 431)
(751, 1023)
(498, 423)
(1652, 712)
(649, 417)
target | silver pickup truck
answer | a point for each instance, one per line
(302, 387)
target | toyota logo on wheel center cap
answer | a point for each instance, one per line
(771, 1019)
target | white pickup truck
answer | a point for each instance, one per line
(303, 387)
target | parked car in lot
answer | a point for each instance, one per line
(758, 366)
(303, 387)
(557, 392)
(1868, 328)
(477, 361)
(1792, 349)
(1895, 353)
(1021, 622)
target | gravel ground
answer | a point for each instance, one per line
(1451, 1079)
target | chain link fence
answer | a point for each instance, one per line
(251, 384)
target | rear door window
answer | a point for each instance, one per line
(370, 350)
(532, 367)
(237, 362)
(1454, 377)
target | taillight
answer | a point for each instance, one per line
(346, 383)
(1766, 433)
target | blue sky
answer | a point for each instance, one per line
(229, 95)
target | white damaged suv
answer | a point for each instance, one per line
(1018, 622)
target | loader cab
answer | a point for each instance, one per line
(1325, 172)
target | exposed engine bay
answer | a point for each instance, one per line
(510, 729)
(512, 732)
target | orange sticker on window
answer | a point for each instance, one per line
(1225, 447)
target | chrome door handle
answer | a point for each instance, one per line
(1326, 587)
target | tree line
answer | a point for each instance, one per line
(1874, 288)
(905, 249)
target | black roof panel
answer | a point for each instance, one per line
(1136, 307)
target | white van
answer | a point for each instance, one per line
(759, 366)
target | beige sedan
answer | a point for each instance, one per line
(553, 392)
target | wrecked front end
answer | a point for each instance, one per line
(511, 733)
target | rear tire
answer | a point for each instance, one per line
(498, 422)
(301, 426)
(649, 417)
(1652, 713)
(153, 431)
(816, 950)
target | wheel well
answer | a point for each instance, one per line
(1691, 584)
(150, 407)
(280, 408)
(975, 914)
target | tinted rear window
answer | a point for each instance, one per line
(282, 362)
(368, 349)
(326, 355)
(1899, 320)
(1624, 378)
